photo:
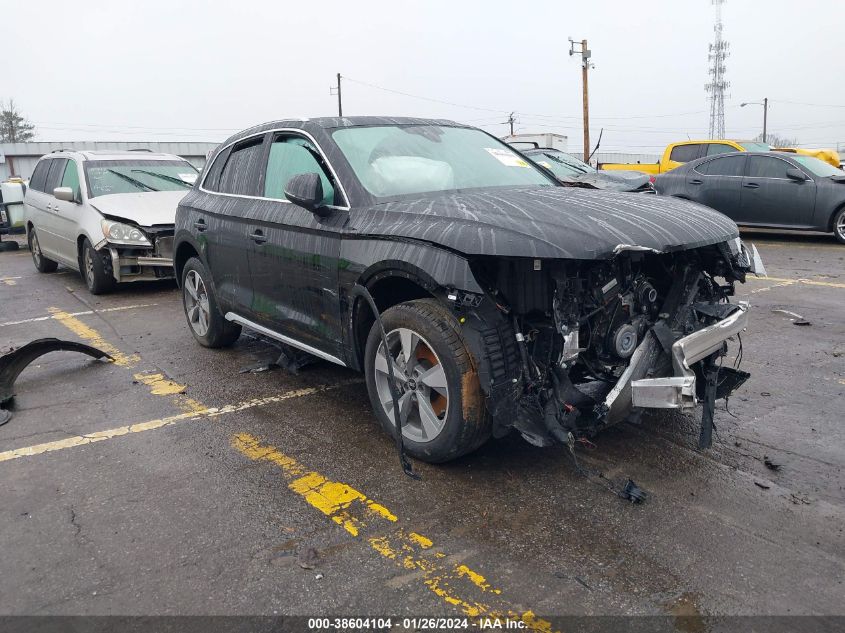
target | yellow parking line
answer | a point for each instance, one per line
(457, 585)
(75, 314)
(93, 337)
(9, 281)
(149, 425)
(808, 282)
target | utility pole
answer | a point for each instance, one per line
(511, 121)
(336, 91)
(585, 67)
(765, 104)
(765, 115)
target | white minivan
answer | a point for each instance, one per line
(108, 214)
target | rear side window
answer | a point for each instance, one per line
(766, 167)
(719, 148)
(725, 166)
(38, 180)
(70, 178)
(289, 156)
(54, 176)
(239, 175)
(685, 153)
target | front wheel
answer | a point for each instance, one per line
(440, 398)
(208, 325)
(97, 269)
(839, 225)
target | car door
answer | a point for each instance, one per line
(219, 220)
(66, 215)
(35, 200)
(717, 183)
(294, 254)
(770, 197)
(48, 237)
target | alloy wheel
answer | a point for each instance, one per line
(35, 247)
(422, 384)
(89, 267)
(840, 227)
(196, 303)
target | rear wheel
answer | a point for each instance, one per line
(97, 269)
(839, 225)
(205, 320)
(440, 398)
(42, 263)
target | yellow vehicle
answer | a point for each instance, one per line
(676, 154)
(827, 155)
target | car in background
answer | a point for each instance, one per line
(573, 172)
(830, 156)
(764, 189)
(108, 214)
(507, 300)
(676, 154)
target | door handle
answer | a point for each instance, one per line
(751, 185)
(258, 237)
(695, 181)
(199, 225)
(50, 207)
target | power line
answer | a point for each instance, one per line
(413, 96)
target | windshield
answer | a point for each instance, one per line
(755, 147)
(105, 177)
(561, 164)
(397, 160)
(817, 167)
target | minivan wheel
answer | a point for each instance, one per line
(42, 263)
(96, 269)
(206, 322)
(440, 397)
(839, 225)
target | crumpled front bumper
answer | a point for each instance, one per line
(679, 391)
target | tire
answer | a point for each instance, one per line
(42, 263)
(96, 269)
(839, 225)
(452, 394)
(205, 321)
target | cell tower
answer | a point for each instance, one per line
(717, 85)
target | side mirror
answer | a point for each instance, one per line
(796, 174)
(306, 190)
(64, 193)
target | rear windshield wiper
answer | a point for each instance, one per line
(137, 183)
(178, 181)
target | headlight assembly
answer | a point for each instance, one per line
(118, 233)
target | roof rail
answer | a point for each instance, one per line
(61, 150)
(140, 149)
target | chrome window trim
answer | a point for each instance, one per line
(274, 130)
(231, 316)
(775, 177)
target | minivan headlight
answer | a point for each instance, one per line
(118, 233)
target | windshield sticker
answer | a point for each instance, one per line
(544, 164)
(506, 157)
(189, 178)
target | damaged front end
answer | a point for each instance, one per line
(138, 253)
(572, 346)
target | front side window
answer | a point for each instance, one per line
(719, 148)
(239, 173)
(106, 177)
(290, 156)
(412, 159)
(71, 178)
(817, 167)
(685, 153)
(38, 181)
(766, 167)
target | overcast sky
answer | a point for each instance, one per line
(170, 70)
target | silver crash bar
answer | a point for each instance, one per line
(678, 391)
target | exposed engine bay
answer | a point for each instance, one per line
(598, 341)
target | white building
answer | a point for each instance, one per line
(18, 159)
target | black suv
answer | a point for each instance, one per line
(507, 300)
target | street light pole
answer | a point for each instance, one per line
(765, 116)
(585, 66)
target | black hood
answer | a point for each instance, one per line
(547, 222)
